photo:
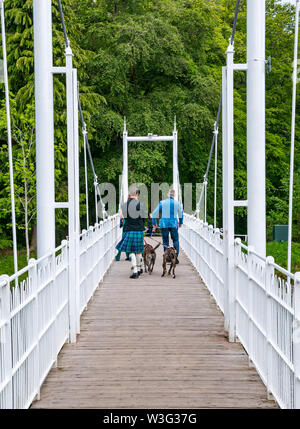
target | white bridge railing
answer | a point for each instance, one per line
(36, 311)
(266, 306)
(37, 308)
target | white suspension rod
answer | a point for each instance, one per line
(96, 201)
(205, 199)
(9, 139)
(216, 174)
(86, 179)
(290, 225)
(125, 164)
(175, 162)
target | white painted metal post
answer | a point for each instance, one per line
(76, 197)
(6, 342)
(295, 70)
(71, 194)
(296, 341)
(228, 195)
(175, 161)
(216, 131)
(224, 198)
(33, 275)
(269, 277)
(96, 199)
(84, 133)
(9, 140)
(125, 163)
(45, 188)
(205, 199)
(237, 257)
(250, 303)
(256, 170)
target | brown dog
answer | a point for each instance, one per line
(170, 255)
(149, 256)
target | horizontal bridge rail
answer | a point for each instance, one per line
(35, 311)
(266, 306)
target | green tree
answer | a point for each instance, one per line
(149, 60)
(20, 49)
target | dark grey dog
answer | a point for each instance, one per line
(149, 256)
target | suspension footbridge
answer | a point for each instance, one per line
(153, 343)
(76, 332)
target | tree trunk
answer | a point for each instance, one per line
(26, 221)
(33, 244)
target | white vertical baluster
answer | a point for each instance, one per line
(250, 301)
(237, 256)
(211, 257)
(217, 266)
(33, 277)
(7, 340)
(269, 278)
(53, 293)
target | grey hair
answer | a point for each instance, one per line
(133, 189)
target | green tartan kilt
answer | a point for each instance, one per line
(132, 242)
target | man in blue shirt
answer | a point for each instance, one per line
(171, 216)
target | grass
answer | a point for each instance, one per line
(7, 261)
(277, 250)
(279, 253)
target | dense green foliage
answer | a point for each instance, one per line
(149, 60)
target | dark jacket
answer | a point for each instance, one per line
(149, 223)
(134, 214)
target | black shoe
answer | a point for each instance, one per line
(134, 276)
(141, 271)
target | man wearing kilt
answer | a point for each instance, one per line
(134, 213)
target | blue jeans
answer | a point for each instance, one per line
(174, 235)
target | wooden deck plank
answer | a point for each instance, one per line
(153, 343)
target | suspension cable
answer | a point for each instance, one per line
(67, 43)
(84, 130)
(85, 176)
(9, 139)
(237, 9)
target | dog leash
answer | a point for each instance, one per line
(158, 242)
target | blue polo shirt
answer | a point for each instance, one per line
(169, 211)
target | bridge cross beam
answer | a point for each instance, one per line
(149, 138)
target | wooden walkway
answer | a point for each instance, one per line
(153, 343)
